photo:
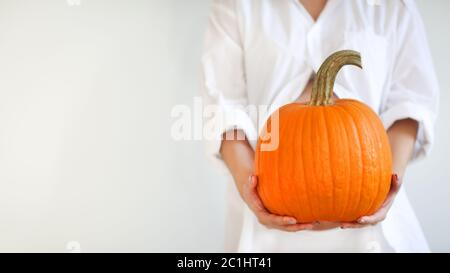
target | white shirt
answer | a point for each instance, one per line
(263, 52)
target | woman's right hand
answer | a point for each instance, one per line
(238, 155)
(271, 221)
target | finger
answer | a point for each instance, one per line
(293, 228)
(395, 187)
(275, 220)
(389, 200)
(395, 183)
(252, 195)
(374, 219)
(318, 226)
(352, 225)
(298, 227)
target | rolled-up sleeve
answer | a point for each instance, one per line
(414, 91)
(223, 78)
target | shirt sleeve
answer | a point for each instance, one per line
(223, 83)
(414, 91)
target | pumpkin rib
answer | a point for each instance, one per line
(369, 178)
(333, 122)
(377, 128)
(365, 152)
(299, 181)
(346, 118)
(329, 168)
(354, 208)
(280, 182)
(304, 182)
(375, 139)
(307, 162)
(339, 116)
(314, 148)
(368, 126)
(290, 136)
(285, 184)
(316, 163)
(381, 139)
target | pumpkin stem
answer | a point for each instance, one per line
(322, 90)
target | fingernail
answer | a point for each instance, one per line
(395, 177)
(292, 221)
(250, 178)
(362, 221)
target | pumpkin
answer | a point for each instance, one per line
(333, 159)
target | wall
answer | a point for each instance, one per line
(86, 158)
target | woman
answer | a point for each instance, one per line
(266, 53)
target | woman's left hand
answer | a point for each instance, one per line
(380, 215)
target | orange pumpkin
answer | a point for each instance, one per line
(333, 160)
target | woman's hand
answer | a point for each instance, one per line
(380, 215)
(238, 155)
(272, 221)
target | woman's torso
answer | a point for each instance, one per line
(283, 47)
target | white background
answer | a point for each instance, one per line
(86, 155)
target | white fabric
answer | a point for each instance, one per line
(262, 52)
